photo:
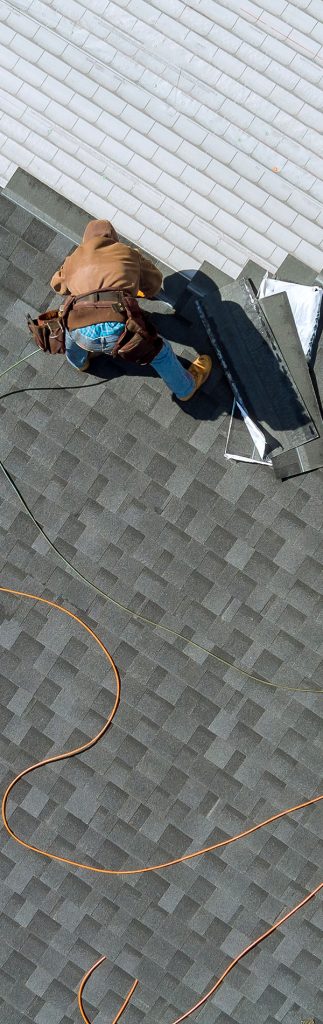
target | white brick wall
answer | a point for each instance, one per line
(196, 126)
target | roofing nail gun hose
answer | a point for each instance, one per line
(141, 870)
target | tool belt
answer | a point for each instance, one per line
(138, 342)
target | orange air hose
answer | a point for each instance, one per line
(142, 870)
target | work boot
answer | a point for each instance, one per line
(200, 370)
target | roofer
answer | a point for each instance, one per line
(103, 264)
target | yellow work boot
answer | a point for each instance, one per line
(200, 370)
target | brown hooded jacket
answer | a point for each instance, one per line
(102, 262)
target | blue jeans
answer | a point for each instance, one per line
(166, 364)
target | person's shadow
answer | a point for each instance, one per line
(265, 386)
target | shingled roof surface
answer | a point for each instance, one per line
(197, 127)
(136, 493)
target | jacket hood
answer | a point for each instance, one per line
(100, 229)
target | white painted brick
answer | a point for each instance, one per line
(295, 153)
(172, 188)
(33, 97)
(82, 84)
(256, 82)
(307, 231)
(219, 123)
(140, 144)
(179, 260)
(7, 169)
(269, 157)
(315, 9)
(87, 110)
(233, 90)
(9, 82)
(299, 176)
(307, 68)
(88, 133)
(117, 151)
(89, 157)
(247, 167)
(156, 85)
(20, 23)
(41, 146)
(52, 65)
(240, 139)
(317, 191)
(197, 181)
(190, 130)
(80, 61)
(59, 139)
(257, 219)
(202, 252)
(144, 169)
(12, 105)
(268, 109)
(20, 48)
(154, 220)
(60, 116)
(156, 245)
(252, 35)
(147, 194)
(250, 192)
(136, 119)
(279, 51)
(302, 203)
(225, 200)
(228, 225)
(317, 34)
(14, 151)
(258, 244)
(7, 35)
(219, 148)
(218, 13)
(57, 91)
(178, 236)
(49, 41)
(193, 156)
(64, 162)
(138, 97)
(313, 118)
(298, 19)
(288, 126)
(237, 114)
(109, 101)
(100, 208)
(309, 93)
(94, 182)
(7, 58)
(168, 162)
(45, 14)
(279, 211)
(310, 255)
(285, 77)
(208, 233)
(282, 236)
(252, 56)
(70, 9)
(29, 74)
(164, 137)
(222, 175)
(44, 171)
(196, 21)
(176, 213)
(286, 100)
(124, 201)
(72, 33)
(274, 185)
(13, 128)
(278, 6)
(306, 42)
(72, 190)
